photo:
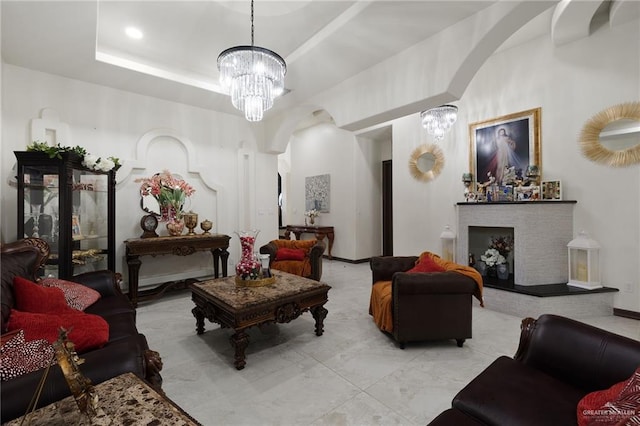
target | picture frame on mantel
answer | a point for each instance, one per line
(500, 143)
(552, 190)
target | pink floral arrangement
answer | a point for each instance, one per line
(169, 191)
(248, 267)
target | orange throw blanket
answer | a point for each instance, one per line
(461, 269)
(380, 303)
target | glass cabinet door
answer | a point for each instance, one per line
(69, 206)
(89, 229)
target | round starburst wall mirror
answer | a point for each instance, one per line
(426, 162)
(612, 136)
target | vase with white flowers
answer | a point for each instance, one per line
(495, 258)
(311, 214)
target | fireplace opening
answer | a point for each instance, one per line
(481, 239)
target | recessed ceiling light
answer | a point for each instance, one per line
(133, 33)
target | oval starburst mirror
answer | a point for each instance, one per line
(612, 136)
(426, 162)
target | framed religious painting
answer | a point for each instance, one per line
(502, 148)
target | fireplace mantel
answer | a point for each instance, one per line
(507, 203)
(542, 230)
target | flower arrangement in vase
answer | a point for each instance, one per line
(170, 192)
(496, 256)
(312, 214)
(248, 268)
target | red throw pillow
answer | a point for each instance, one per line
(614, 406)
(78, 296)
(86, 331)
(426, 264)
(18, 357)
(31, 297)
(284, 253)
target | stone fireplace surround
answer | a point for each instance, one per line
(541, 232)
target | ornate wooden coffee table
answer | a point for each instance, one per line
(221, 301)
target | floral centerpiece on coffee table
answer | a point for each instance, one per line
(248, 268)
(170, 192)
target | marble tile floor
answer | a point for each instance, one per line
(352, 375)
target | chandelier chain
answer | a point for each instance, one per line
(252, 23)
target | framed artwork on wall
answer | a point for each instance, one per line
(317, 191)
(551, 190)
(505, 145)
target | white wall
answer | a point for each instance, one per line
(111, 122)
(368, 168)
(319, 150)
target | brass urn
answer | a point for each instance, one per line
(190, 221)
(206, 226)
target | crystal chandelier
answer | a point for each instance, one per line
(439, 120)
(253, 76)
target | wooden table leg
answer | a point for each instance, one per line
(319, 313)
(199, 314)
(330, 237)
(216, 258)
(240, 341)
(133, 263)
(224, 255)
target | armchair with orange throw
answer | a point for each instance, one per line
(423, 298)
(299, 257)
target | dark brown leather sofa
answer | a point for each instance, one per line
(557, 363)
(426, 306)
(126, 351)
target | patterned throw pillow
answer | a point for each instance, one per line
(18, 357)
(78, 296)
(618, 405)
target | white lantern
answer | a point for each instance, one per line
(584, 262)
(448, 240)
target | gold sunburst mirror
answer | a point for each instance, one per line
(426, 162)
(612, 136)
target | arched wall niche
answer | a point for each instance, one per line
(166, 149)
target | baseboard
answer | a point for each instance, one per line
(627, 314)
(340, 259)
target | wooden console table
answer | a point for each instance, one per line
(320, 233)
(178, 246)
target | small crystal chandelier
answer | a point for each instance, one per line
(253, 76)
(439, 120)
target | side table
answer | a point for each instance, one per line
(320, 233)
(183, 245)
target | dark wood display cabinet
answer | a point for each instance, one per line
(70, 206)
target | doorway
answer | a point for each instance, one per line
(387, 209)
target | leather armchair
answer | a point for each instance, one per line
(425, 306)
(309, 267)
